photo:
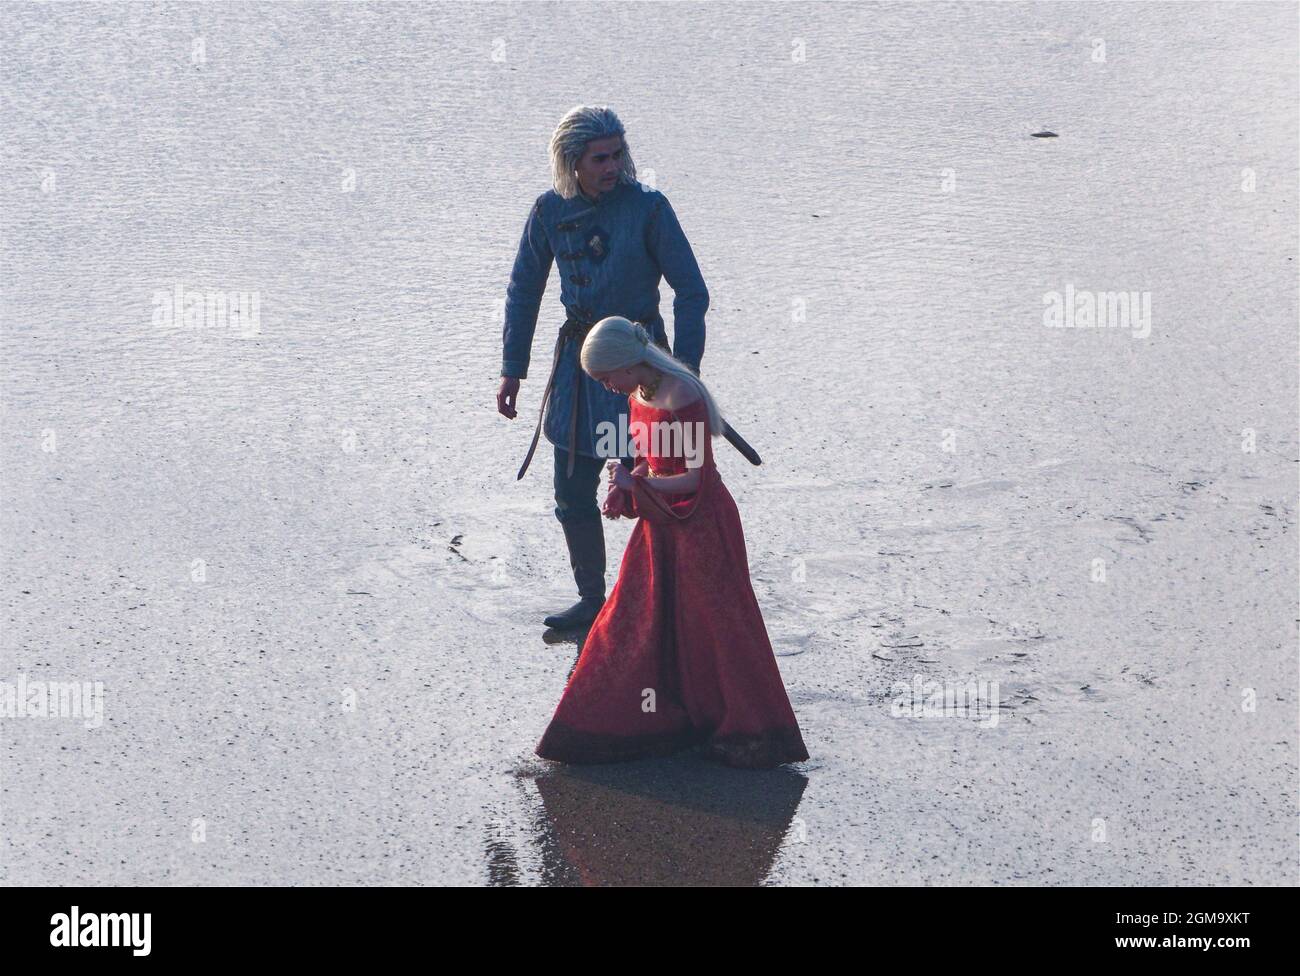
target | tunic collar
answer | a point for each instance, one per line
(612, 193)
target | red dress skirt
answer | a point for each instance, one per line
(678, 655)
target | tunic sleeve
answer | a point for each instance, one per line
(528, 279)
(670, 249)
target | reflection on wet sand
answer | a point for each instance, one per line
(676, 821)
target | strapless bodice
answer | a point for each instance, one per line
(668, 438)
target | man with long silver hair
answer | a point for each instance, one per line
(613, 238)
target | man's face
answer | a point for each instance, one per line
(598, 168)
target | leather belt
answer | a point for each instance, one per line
(575, 328)
(572, 329)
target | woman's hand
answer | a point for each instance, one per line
(619, 476)
(613, 506)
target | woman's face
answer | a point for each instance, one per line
(617, 380)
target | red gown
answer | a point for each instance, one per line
(678, 655)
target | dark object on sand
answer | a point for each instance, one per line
(1045, 134)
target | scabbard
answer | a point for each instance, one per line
(740, 444)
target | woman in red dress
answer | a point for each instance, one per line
(678, 655)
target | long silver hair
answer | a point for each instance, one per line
(616, 343)
(580, 125)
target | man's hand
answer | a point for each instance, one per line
(508, 397)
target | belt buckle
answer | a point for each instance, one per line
(578, 327)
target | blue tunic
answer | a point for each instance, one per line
(612, 253)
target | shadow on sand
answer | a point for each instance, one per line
(682, 820)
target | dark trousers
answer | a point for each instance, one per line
(579, 515)
(575, 498)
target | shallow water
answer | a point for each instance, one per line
(302, 568)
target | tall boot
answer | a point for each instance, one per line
(586, 542)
